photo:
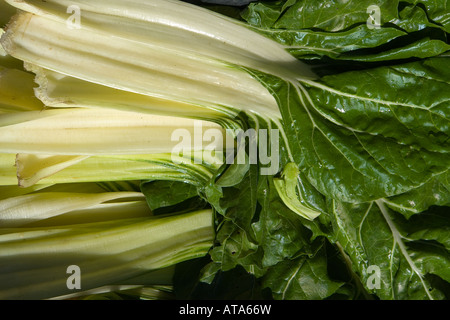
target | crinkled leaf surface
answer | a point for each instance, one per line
(392, 256)
(304, 278)
(363, 135)
(340, 29)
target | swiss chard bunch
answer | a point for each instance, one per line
(355, 97)
(370, 142)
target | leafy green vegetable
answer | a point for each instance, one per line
(339, 30)
(359, 136)
(343, 129)
(373, 236)
(305, 278)
(356, 96)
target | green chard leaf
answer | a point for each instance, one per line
(237, 206)
(394, 258)
(362, 135)
(256, 230)
(342, 30)
(278, 230)
(160, 193)
(312, 44)
(438, 11)
(436, 192)
(332, 15)
(304, 278)
(359, 205)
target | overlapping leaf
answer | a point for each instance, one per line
(342, 30)
(362, 135)
(393, 257)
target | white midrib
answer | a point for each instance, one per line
(288, 284)
(353, 96)
(398, 206)
(360, 254)
(316, 127)
(398, 239)
(313, 48)
(326, 116)
(362, 222)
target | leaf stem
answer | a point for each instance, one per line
(398, 239)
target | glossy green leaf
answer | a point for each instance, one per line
(342, 30)
(304, 278)
(278, 230)
(363, 135)
(333, 15)
(389, 262)
(437, 10)
(436, 192)
(162, 193)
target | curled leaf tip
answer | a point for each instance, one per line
(286, 187)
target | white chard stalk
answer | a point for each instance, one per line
(190, 30)
(133, 66)
(28, 209)
(159, 48)
(61, 91)
(43, 169)
(33, 261)
(29, 170)
(79, 131)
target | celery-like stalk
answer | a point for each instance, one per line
(34, 261)
(8, 174)
(79, 131)
(32, 209)
(154, 285)
(9, 191)
(59, 90)
(174, 24)
(32, 168)
(131, 65)
(27, 170)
